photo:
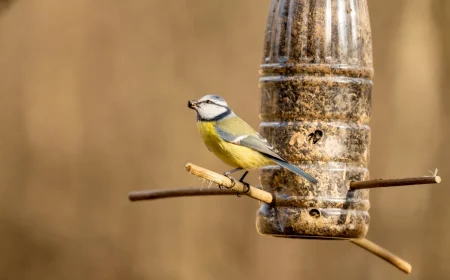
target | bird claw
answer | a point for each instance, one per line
(233, 181)
(247, 186)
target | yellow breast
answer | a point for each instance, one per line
(231, 154)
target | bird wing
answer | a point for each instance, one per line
(236, 131)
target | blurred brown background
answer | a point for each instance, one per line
(93, 105)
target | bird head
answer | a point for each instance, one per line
(210, 108)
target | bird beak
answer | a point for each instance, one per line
(192, 104)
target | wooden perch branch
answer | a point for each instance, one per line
(259, 194)
(226, 182)
(158, 194)
(381, 183)
(267, 197)
(383, 253)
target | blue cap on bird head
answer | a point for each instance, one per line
(214, 98)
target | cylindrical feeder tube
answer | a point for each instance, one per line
(315, 108)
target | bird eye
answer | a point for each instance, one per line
(208, 101)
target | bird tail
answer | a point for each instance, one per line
(295, 169)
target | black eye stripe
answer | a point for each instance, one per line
(212, 102)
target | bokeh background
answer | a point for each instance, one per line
(93, 105)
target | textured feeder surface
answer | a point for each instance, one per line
(316, 100)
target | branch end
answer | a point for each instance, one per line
(189, 167)
(438, 179)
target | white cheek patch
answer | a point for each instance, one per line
(211, 111)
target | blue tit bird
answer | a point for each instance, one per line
(234, 141)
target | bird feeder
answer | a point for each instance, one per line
(315, 93)
(316, 85)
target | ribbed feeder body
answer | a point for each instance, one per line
(316, 101)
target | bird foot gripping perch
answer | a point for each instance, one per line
(238, 187)
(233, 183)
(241, 180)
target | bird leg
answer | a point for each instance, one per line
(227, 174)
(244, 183)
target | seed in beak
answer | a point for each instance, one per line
(192, 104)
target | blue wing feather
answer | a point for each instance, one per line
(246, 136)
(296, 170)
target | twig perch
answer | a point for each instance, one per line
(382, 183)
(226, 182)
(158, 194)
(383, 253)
(259, 194)
(268, 198)
(376, 183)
